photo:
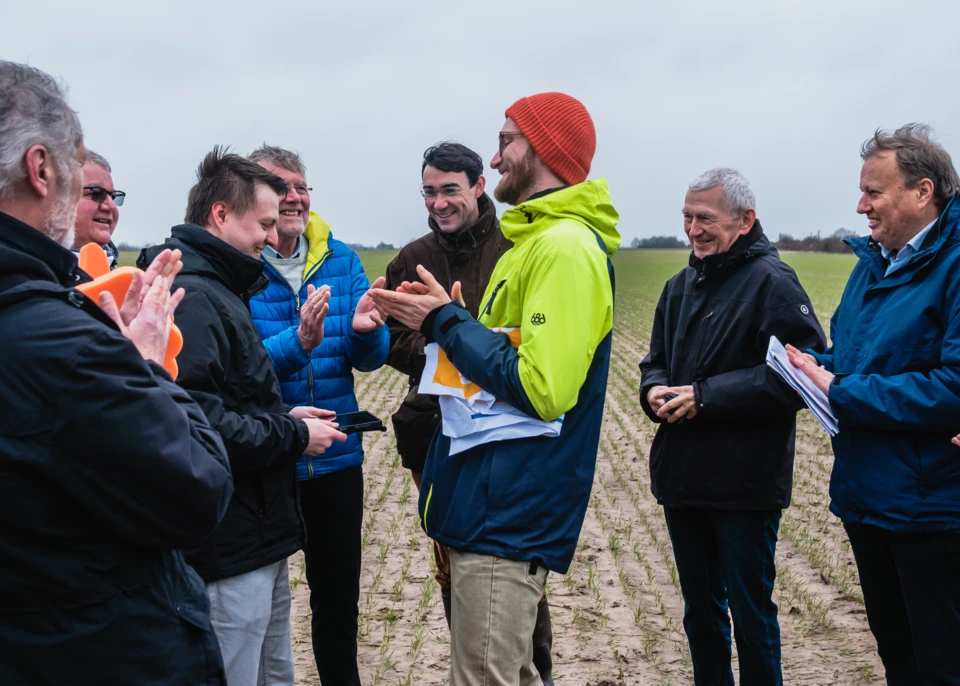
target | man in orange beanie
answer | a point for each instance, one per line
(511, 508)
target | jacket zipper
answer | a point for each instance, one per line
(426, 508)
(489, 308)
(309, 376)
(701, 335)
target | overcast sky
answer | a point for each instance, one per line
(783, 90)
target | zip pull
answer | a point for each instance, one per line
(489, 307)
(704, 320)
(297, 308)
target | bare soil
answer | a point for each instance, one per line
(618, 613)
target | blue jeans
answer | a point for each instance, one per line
(725, 560)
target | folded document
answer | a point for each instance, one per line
(814, 398)
(471, 415)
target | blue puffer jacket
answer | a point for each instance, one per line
(324, 377)
(896, 354)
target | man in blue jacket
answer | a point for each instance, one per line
(893, 380)
(318, 327)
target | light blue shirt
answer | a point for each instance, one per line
(909, 250)
(270, 252)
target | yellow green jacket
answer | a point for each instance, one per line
(525, 499)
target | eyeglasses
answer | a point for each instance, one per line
(301, 189)
(448, 192)
(98, 194)
(505, 137)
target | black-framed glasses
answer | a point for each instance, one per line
(448, 192)
(98, 194)
(505, 138)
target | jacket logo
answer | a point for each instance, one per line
(804, 309)
(537, 319)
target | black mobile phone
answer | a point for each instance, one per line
(357, 422)
(667, 398)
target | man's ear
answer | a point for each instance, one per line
(218, 216)
(40, 169)
(479, 186)
(749, 217)
(925, 193)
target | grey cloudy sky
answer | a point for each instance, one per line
(783, 90)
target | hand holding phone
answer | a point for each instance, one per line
(667, 398)
(358, 422)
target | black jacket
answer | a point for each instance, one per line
(467, 256)
(711, 329)
(106, 468)
(225, 368)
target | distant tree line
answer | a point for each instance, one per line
(379, 246)
(815, 243)
(659, 243)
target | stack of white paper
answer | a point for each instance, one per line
(471, 415)
(814, 398)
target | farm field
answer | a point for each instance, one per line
(617, 614)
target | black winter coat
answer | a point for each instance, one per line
(106, 468)
(467, 256)
(711, 329)
(225, 368)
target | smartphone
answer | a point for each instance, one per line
(667, 398)
(357, 422)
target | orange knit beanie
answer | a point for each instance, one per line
(561, 132)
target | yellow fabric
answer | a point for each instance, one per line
(317, 232)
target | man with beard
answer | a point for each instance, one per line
(97, 212)
(722, 460)
(464, 244)
(317, 328)
(107, 468)
(231, 216)
(512, 510)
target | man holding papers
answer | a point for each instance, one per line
(510, 510)
(892, 378)
(722, 461)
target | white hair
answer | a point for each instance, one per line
(34, 111)
(99, 160)
(737, 194)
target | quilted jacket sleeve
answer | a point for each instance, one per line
(366, 351)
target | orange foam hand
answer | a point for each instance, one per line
(117, 282)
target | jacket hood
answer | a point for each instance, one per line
(470, 236)
(588, 202)
(28, 255)
(206, 255)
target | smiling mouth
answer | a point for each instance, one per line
(102, 221)
(290, 213)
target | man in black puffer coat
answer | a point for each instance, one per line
(106, 466)
(232, 215)
(722, 460)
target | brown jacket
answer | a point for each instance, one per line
(467, 256)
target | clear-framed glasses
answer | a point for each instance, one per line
(505, 138)
(302, 189)
(98, 194)
(448, 192)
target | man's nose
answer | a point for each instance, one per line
(440, 203)
(864, 205)
(497, 159)
(272, 237)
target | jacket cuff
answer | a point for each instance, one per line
(304, 434)
(441, 320)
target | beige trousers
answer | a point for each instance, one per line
(494, 614)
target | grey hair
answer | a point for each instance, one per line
(918, 157)
(99, 160)
(288, 159)
(34, 111)
(737, 194)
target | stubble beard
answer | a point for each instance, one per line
(516, 187)
(59, 225)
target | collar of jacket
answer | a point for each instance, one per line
(317, 233)
(473, 235)
(206, 255)
(27, 255)
(867, 250)
(753, 244)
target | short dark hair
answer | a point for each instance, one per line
(918, 157)
(454, 157)
(230, 179)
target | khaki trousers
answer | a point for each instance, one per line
(493, 617)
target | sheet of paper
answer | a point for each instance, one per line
(813, 397)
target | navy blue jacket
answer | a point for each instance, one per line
(896, 354)
(324, 376)
(106, 468)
